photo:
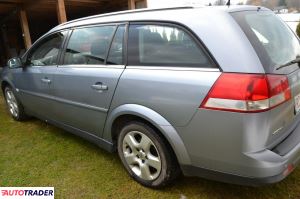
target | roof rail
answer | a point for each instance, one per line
(126, 12)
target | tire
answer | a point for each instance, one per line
(146, 156)
(14, 106)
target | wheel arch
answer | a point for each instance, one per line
(4, 84)
(132, 112)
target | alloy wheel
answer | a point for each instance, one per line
(12, 103)
(141, 155)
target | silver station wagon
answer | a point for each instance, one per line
(212, 92)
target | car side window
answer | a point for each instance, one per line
(115, 56)
(89, 46)
(163, 45)
(46, 52)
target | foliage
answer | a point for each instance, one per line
(282, 3)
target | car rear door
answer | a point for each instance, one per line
(86, 79)
(168, 71)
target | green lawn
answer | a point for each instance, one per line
(34, 153)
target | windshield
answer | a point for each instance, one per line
(273, 41)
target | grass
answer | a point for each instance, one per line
(33, 153)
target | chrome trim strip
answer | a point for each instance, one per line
(174, 68)
(92, 66)
(81, 105)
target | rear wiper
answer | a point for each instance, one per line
(295, 61)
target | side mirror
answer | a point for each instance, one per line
(15, 62)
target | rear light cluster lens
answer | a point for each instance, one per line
(288, 170)
(247, 92)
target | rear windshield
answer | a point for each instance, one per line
(274, 43)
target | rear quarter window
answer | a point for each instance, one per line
(163, 45)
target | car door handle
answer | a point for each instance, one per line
(46, 81)
(99, 87)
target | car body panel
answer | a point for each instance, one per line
(32, 91)
(155, 119)
(77, 103)
(174, 94)
(234, 137)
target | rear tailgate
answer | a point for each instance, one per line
(275, 45)
(284, 118)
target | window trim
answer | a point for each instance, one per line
(174, 68)
(105, 65)
(186, 30)
(62, 54)
(123, 43)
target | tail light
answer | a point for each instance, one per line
(288, 170)
(247, 92)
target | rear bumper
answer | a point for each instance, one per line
(281, 161)
(285, 169)
(229, 178)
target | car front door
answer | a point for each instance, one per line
(34, 80)
(86, 79)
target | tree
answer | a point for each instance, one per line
(293, 5)
(282, 3)
(164, 35)
(220, 2)
(270, 4)
(254, 2)
(298, 30)
(173, 36)
(180, 35)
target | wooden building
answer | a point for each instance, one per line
(24, 21)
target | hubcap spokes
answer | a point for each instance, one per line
(141, 155)
(12, 103)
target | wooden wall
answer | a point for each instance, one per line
(23, 21)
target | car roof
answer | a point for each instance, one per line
(175, 14)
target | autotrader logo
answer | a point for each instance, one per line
(27, 192)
